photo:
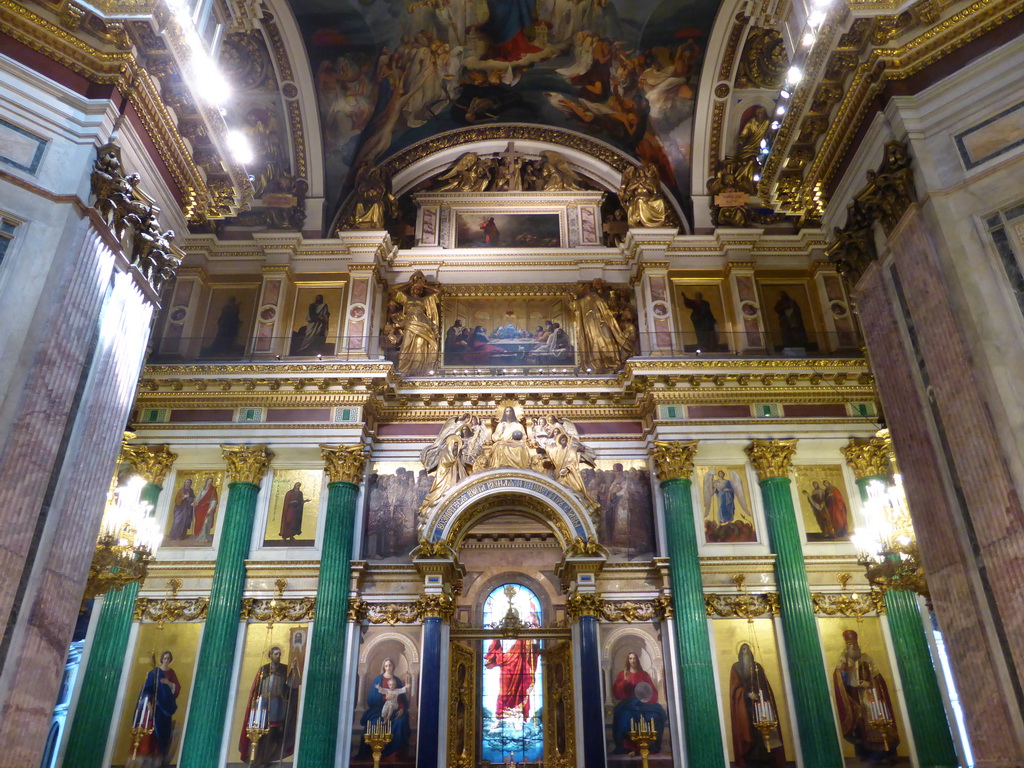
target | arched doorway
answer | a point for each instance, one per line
(511, 678)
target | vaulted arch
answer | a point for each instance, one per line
(502, 490)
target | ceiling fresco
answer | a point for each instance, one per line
(389, 73)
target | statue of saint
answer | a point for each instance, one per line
(601, 344)
(419, 326)
(641, 194)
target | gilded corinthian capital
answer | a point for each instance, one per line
(674, 460)
(344, 463)
(150, 462)
(246, 463)
(771, 458)
(867, 458)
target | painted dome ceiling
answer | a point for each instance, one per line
(390, 73)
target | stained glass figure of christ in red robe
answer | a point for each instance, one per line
(518, 665)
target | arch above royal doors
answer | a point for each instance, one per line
(501, 491)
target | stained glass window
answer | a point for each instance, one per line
(513, 696)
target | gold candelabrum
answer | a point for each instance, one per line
(888, 544)
(879, 718)
(143, 723)
(642, 733)
(258, 725)
(377, 736)
(126, 542)
(765, 719)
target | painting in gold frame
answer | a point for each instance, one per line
(745, 678)
(855, 681)
(153, 641)
(703, 322)
(294, 508)
(395, 491)
(633, 667)
(278, 676)
(824, 502)
(316, 319)
(622, 490)
(726, 505)
(508, 331)
(197, 497)
(788, 315)
(388, 672)
(230, 315)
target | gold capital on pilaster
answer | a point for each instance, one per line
(771, 458)
(150, 462)
(674, 460)
(246, 463)
(344, 463)
(867, 457)
(436, 606)
(584, 604)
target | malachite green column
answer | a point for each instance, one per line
(102, 679)
(701, 722)
(215, 666)
(812, 693)
(933, 741)
(318, 742)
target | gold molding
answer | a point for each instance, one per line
(170, 609)
(848, 604)
(278, 609)
(124, 71)
(742, 606)
(870, 76)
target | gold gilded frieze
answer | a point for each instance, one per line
(742, 606)
(870, 76)
(852, 605)
(277, 609)
(171, 609)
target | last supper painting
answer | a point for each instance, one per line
(390, 73)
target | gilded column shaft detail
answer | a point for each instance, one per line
(701, 722)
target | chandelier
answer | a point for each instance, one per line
(887, 546)
(128, 537)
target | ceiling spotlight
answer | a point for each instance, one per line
(757, 177)
(784, 94)
(808, 39)
(430, 374)
(780, 110)
(775, 125)
(794, 76)
(319, 357)
(698, 351)
(277, 357)
(240, 148)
